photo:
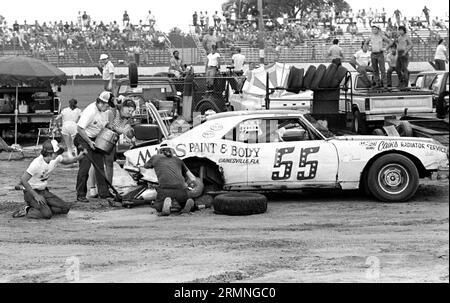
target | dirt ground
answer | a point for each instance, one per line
(303, 237)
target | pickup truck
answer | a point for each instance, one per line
(438, 83)
(37, 106)
(371, 107)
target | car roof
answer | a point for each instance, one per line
(258, 113)
(436, 72)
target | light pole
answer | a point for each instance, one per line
(261, 35)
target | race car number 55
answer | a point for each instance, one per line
(307, 171)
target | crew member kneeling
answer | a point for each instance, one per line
(170, 171)
(40, 202)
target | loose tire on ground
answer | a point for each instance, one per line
(240, 204)
(328, 77)
(309, 75)
(133, 75)
(318, 75)
(404, 128)
(393, 178)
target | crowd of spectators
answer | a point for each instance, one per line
(84, 33)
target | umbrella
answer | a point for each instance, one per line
(256, 79)
(17, 71)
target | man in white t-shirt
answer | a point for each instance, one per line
(212, 66)
(40, 202)
(361, 62)
(93, 119)
(107, 70)
(238, 61)
(440, 57)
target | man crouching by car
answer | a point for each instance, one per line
(172, 193)
(40, 202)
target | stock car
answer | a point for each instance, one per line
(283, 149)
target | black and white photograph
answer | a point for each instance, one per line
(243, 144)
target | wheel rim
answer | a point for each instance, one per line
(393, 179)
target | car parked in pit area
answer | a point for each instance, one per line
(283, 149)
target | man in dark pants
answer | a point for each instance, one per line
(377, 55)
(40, 202)
(404, 46)
(93, 119)
(170, 171)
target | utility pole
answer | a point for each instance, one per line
(261, 36)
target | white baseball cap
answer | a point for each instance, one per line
(103, 56)
(104, 96)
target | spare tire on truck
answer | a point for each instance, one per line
(328, 77)
(295, 80)
(309, 75)
(338, 76)
(133, 75)
(318, 75)
(240, 204)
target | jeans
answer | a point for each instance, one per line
(378, 66)
(176, 194)
(389, 75)
(402, 68)
(84, 166)
(440, 64)
(53, 205)
(210, 76)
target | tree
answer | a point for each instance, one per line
(293, 8)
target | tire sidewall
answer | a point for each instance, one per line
(374, 184)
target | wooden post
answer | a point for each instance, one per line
(261, 38)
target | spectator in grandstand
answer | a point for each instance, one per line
(209, 40)
(440, 57)
(194, 19)
(202, 19)
(216, 20)
(86, 19)
(238, 61)
(404, 46)
(383, 17)
(206, 20)
(339, 31)
(151, 19)
(392, 62)
(212, 66)
(335, 53)
(126, 18)
(107, 70)
(361, 62)
(376, 39)
(397, 15)
(426, 13)
(176, 65)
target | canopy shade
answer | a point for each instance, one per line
(19, 70)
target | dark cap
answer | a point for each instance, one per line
(52, 146)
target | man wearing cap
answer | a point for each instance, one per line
(377, 55)
(92, 120)
(170, 171)
(107, 70)
(40, 202)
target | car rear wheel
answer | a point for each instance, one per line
(393, 178)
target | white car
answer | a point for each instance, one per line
(283, 150)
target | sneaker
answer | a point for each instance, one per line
(188, 207)
(166, 207)
(82, 200)
(21, 212)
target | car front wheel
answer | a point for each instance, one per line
(393, 178)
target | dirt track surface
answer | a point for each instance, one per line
(304, 237)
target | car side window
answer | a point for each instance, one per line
(268, 131)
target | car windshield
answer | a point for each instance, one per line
(322, 129)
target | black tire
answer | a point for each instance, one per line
(295, 80)
(363, 186)
(393, 178)
(338, 76)
(378, 132)
(404, 129)
(205, 105)
(329, 75)
(318, 75)
(441, 106)
(309, 75)
(358, 124)
(133, 75)
(240, 204)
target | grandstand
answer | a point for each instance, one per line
(293, 41)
